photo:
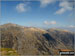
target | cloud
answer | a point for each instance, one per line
(44, 3)
(50, 23)
(60, 11)
(72, 26)
(65, 6)
(22, 7)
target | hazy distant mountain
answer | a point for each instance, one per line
(35, 41)
(72, 29)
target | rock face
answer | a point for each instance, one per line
(35, 41)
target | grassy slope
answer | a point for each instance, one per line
(8, 51)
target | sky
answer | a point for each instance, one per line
(38, 13)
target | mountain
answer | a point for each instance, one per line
(64, 36)
(35, 41)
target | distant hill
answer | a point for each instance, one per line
(35, 41)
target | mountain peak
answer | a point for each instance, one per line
(9, 24)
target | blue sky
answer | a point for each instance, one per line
(42, 13)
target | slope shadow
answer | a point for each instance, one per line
(48, 37)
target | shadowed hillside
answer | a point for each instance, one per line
(35, 41)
